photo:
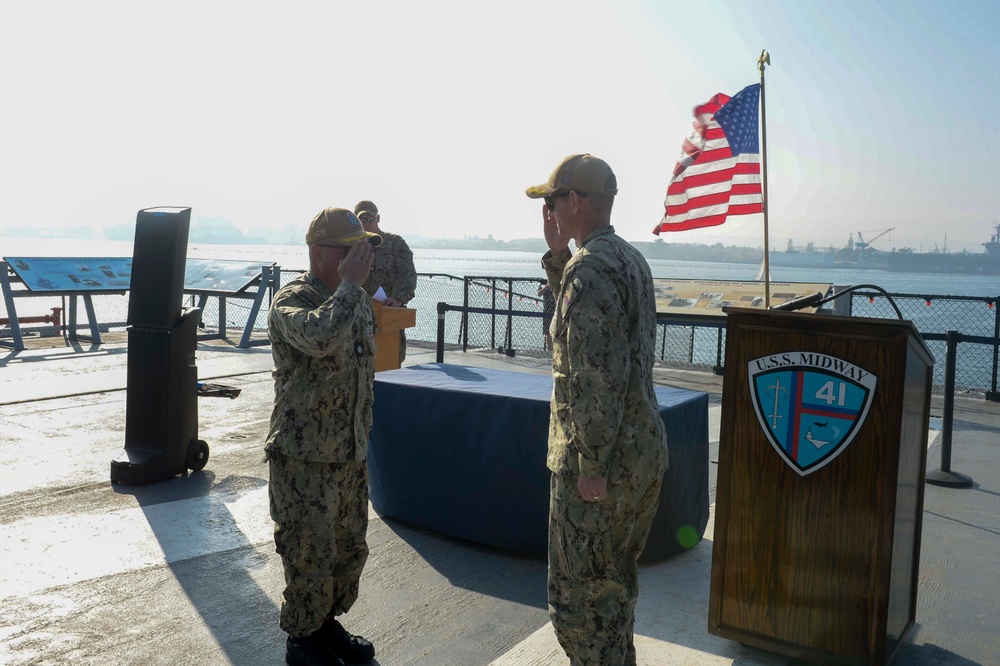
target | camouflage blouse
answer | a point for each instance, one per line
(393, 269)
(605, 420)
(323, 344)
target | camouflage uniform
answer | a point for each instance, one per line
(605, 423)
(393, 270)
(324, 362)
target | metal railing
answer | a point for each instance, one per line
(510, 315)
(507, 315)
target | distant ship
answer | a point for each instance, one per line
(794, 259)
(855, 255)
(984, 263)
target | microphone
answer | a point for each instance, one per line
(801, 302)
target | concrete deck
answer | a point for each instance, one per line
(184, 572)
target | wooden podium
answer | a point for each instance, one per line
(390, 322)
(822, 456)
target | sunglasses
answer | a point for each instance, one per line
(550, 200)
(374, 241)
(365, 219)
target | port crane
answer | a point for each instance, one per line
(862, 244)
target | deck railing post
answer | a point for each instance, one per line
(944, 476)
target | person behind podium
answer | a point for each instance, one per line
(607, 444)
(393, 269)
(548, 307)
(322, 330)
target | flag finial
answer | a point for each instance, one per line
(764, 59)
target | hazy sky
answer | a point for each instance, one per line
(878, 114)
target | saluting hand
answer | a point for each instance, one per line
(356, 266)
(555, 237)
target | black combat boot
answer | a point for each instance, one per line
(310, 651)
(352, 649)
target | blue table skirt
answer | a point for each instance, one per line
(461, 451)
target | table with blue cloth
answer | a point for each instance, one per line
(461, 451)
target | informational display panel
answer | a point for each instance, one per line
(76, 274)
(224, 276)
(73, 273)
(706, 297)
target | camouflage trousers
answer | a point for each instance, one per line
(320, 514)
(593, 581)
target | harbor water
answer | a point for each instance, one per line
(927, 310)
(527, 264)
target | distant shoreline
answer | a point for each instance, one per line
(658, 249)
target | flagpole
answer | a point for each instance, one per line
(764, 59)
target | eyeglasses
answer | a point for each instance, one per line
(365, 219)
(550, 200)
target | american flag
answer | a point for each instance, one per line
(719, 169)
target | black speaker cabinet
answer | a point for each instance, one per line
(161, 405)
(158, 260)
(161, 409)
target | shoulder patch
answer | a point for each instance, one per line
(571, 290)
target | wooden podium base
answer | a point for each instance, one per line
(390, 322)
(817, 535)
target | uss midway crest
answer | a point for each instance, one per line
(810, 405)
